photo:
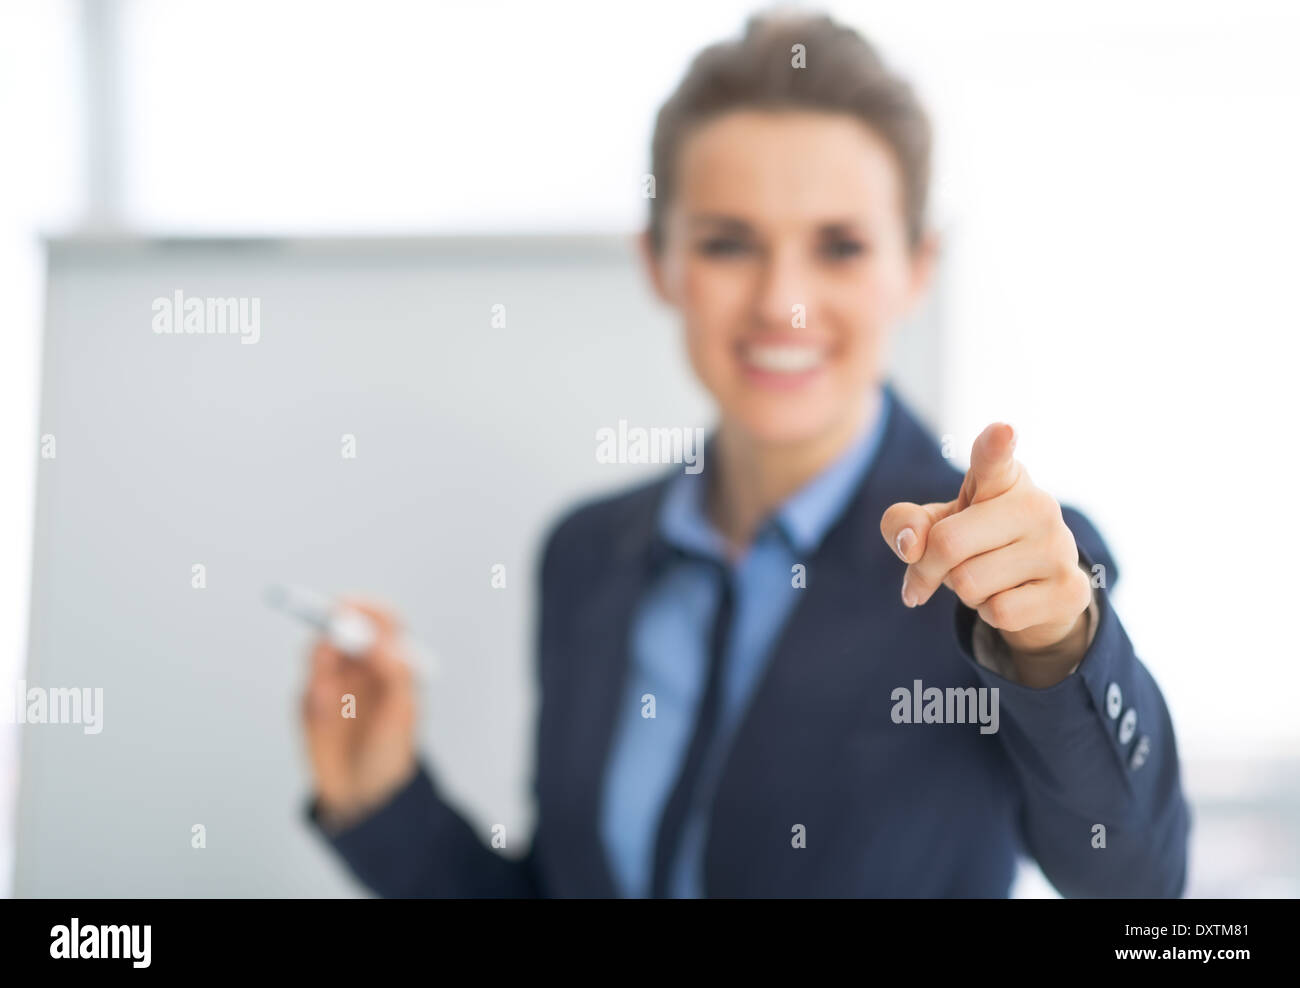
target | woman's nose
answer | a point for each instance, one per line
(781, 295)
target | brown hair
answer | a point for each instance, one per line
(844, 74)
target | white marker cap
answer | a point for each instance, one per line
(350, 632)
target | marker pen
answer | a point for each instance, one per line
(347, 629)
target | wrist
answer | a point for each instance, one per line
(1047, 666)
(341, 811)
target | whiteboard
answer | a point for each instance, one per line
(177, 450)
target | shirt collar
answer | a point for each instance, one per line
(803, 519)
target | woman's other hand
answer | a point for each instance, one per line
(359, 719)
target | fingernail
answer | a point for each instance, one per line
(906, 539)
(909, 595)
(1015, 436)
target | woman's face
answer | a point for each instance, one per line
(786, 254)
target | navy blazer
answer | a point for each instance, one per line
(887, 809)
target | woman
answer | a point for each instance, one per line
(828, 664)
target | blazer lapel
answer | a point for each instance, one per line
(603, 631)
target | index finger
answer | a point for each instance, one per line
(386, 654)
(386, 620)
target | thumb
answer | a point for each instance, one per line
(906, 526)
(993, 467)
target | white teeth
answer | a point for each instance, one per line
(783, 358)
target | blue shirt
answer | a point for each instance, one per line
(669, 657)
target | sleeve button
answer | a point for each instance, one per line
(1128, 725)
(1114, 699)
(1140, 753)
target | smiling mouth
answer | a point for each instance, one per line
(784, 359)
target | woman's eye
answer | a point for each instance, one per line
(723, 246)
(839, 249)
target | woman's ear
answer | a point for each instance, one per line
(925, 258)
(654, 268)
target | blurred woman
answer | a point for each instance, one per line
(828, 664)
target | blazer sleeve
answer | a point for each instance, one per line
(1097, 748)
(418, 846)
